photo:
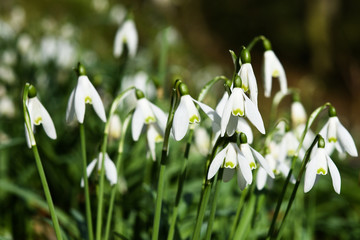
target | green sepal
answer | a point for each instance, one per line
(243, 138)
(183, 89)
(245, 56)
(237, 81)
(139, 94)
(332, 112)
(32, 91)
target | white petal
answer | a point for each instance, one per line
(181, 121)
(298, 114)
(226, 114)
(241, 180)
(160, 116)
(310, 174)
(243, 126)
(261, 178)
(335, 175)
(118, 42)
(137, 123)
(228, 174)
(29, 143)
(262, 162)
(110, 170)
(211, 113)
(48, 124)
(70, 110)
(220, 106)
(252, 82)
(193, 113)
(131, 38)
(232, 125)
(346, 141)
(79, 100)
(267, 72)
(89, 170)
(245, 168)
(153, 136)
(253, 114)
(216, 163)
(96, 100)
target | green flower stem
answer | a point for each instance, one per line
(86, 183)
(181, 180)
(99, 219)
(237, 215)
(39, 165)
(213, 205)
(47, 193)
(203, 203)
(293, 194)
(309, 122)
(118, 166)
(163, 162)
(254, 41)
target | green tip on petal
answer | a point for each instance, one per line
(229, 164)
(321, 171)
(183, 89)
(245, 56)
(332, 111)
(139, 94)
(237, 82)
(321, 142)
(243, 138)
(32, 91)
(266, 44)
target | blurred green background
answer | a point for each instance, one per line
(42, 40)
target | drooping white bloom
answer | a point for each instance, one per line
(110, 169)
(319, 164)
(247, 76)
(298, 114)
(241, 126)
(273, 68)
(233, 160)
(202, 141)
(84, 93)
(114, 127)
(39, 115)
(187, 113)
(126, 34)
(336, 134)
(153, 118)
(289, 145)
(239, 105)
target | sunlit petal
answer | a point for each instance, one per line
(345, 140)
(110, 170)
(335, 175)
(137, 123)
(262, 162)
(181, 121)
(216, 163)
(253, 114)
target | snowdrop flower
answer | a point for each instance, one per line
(336, 134)
(232, 160)
(289, 145)
(187, 113)
(241, 126)
(110, 168)
(247, 76)
(319, 164)
(82, 94)
(114, 127)
(239, 105)
(298, 113)
(202, 141)
(38, 115)
(126, 35)
(151, 116)
(272, 68)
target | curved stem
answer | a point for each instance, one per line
(86, 183)
(254, 41)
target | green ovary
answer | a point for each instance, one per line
(194, 119)
(150, 119)
(238, 112)
(321, 171)
(275, 74)
(88, 100)
(38, 120)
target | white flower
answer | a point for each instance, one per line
(298, 114)
(319, 164)
(82, 94)
(336, 134)
(114, 127)
(39, 115)
(239, 105)
(247, 76)
(273, 68)
(151, 116)
(288, 146)
(232, 159)
(110, 169)
(202, 141)
(7, 107)
(126, 34)
(187, 113)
